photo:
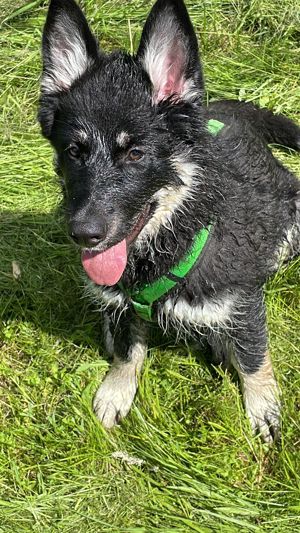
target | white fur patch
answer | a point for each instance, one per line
(186, 170)
(82, 135)
(68, 59)
(213, 313)
(261, 398)
(115, 395)
(169, 200)
(123, 139)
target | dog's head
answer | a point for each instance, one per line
(123, 128)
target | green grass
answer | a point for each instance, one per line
(200, 470)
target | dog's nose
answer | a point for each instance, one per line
(88, 234)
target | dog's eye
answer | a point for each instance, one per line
(135, 154)
(73, 151)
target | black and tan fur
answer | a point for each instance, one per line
(95, 108)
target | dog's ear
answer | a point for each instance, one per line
(69, 47)
(169, 52)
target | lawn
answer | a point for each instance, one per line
(185, 459)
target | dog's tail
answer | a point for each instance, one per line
(272, 128)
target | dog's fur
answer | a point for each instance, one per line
(103, 106)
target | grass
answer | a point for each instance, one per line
(197, 467)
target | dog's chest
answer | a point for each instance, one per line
(178, 313)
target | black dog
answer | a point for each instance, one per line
(182, 212)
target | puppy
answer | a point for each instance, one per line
(181, 211)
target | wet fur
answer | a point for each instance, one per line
(109, 103)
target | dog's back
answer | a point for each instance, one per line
(276, 129)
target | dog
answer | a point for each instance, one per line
(180, 210)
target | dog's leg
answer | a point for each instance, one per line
(126, 342)
(221, 349)
(261, 397)
(253, 363)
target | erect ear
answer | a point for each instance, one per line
(169, 52)
(69, 47)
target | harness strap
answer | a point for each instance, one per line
(143, 297)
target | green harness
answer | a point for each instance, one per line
(143, 297)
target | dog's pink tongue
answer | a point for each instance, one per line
(106, 268)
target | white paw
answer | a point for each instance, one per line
(115, 395)
(263, 410)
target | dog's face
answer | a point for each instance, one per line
(121, 127)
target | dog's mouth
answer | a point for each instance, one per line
(140, 223)
(106, 268)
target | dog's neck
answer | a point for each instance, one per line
(153, 258)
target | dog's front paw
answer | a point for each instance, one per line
(263, 410)
(115, 395)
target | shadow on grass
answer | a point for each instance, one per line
(40, 278)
